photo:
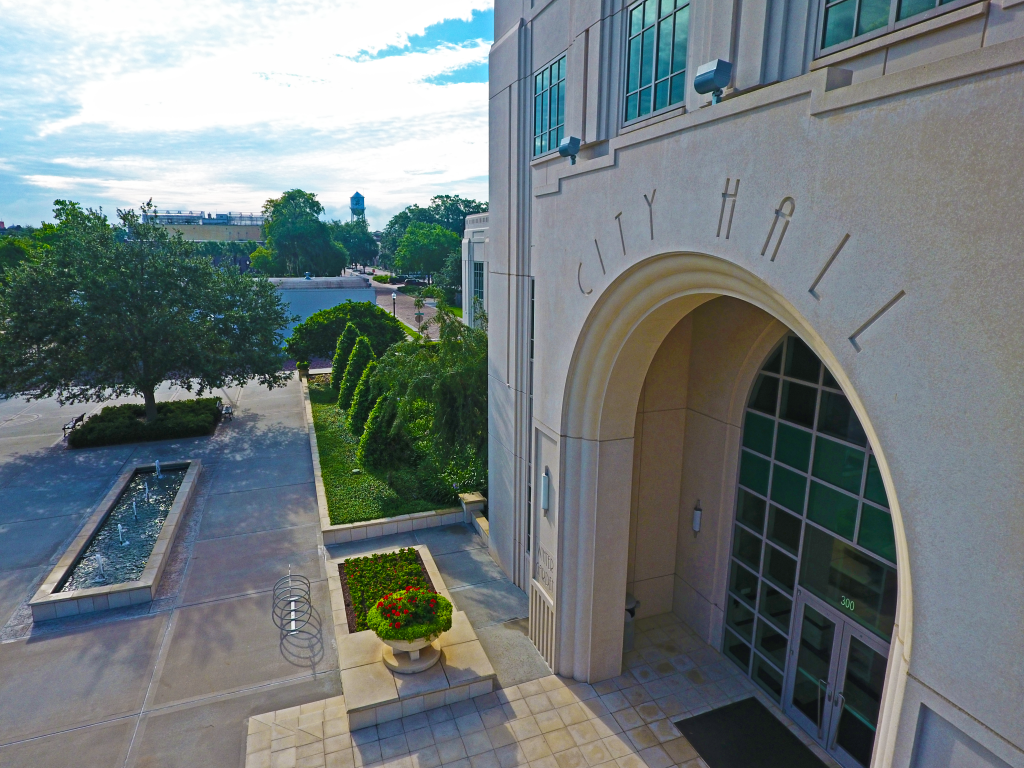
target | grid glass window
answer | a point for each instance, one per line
(846, 20)
(548, 107)
(656, 56)
(478, 281)
(811, 510)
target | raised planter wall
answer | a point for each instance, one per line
(370, 529)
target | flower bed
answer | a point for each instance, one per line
(365, 580)
(410, 614)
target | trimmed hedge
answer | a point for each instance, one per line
(117, 424)
(317, 336)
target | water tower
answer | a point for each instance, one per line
(357, 204)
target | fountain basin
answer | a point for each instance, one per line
(68, 590)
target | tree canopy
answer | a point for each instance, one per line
(449, 211)
(317, 335)
(449, 376)
(424, 248)
(111, 310)
(13, 251)
(356, 239)
(297, 240)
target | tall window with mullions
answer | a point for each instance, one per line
(656, 56)
(811, 510)
(549, 107)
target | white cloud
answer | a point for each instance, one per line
(252, 99)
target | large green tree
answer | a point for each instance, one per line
(298, 239)
(425, 248)
(107, 310)
(356, 239)
(395, 229)
(13, 251)
(450, 211)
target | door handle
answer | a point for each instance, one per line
(821, 712)
(840, 704)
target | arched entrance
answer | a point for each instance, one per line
(612, 358)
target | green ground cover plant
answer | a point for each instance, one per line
(410, 614)
(118, 424)
(368, 579)
(353, 497)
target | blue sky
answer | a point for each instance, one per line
(219, 106)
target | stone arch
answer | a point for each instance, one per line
(613, 353)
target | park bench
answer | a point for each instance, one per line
(226, 412)
(73, 423)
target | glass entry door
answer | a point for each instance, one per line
(834, 686)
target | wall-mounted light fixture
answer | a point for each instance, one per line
(712, 78)
(697, 512)
(569, 147)
(545, 493)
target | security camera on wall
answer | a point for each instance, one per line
(712, 78)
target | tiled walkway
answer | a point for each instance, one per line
(550, 722)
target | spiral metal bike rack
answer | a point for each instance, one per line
(293, 607)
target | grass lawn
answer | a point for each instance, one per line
(352, 497)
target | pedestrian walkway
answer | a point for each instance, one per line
(403, 306)
(171, 683)
(547, 722)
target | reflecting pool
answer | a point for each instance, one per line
(114, 557)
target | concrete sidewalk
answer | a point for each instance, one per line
(171, 683)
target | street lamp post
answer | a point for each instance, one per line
(394, 302)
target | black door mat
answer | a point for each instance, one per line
(745, 734)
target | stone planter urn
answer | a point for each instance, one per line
(406, 657)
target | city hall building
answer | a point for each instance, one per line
(756, 356)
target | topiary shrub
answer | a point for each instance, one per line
(363, 401)
(317, 336)
(118, 424)
(346, 341)
(410, 614)
(382, 448)
(360, 357)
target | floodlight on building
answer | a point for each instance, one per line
(697, 513)
(545, 493)
(569, 147)
(712, 78)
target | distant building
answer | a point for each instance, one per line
(474, 268)
(203, 226)
(357, 205)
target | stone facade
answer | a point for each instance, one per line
(865, 198)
